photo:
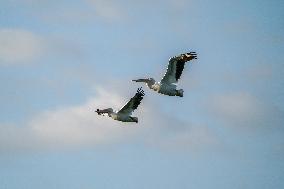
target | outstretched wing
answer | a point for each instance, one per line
(133, 103)
(176, 66)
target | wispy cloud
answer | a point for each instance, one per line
(80, 12)
(19, 46)
(109, 10)
(244, 110)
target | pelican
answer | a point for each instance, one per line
(124, 114)
(168, 84)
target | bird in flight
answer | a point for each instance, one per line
(124, 114)
(168, 84)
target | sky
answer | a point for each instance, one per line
(61, 60)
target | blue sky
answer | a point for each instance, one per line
(60, 60)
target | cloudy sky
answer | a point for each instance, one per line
(62, 59)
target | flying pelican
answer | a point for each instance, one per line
(168, 84)
(124, 114)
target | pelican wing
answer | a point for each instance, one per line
(133, 103)
(176, 66)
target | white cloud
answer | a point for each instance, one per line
(78, 126)
(19, 46)
(68, 127)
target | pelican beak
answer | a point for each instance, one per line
(101, 111)
(139, 80)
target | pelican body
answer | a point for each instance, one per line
(162, 88)
(124, 114)
(168, 84)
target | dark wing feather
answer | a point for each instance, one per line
(133, 103)
(169, 76)
(176, 66)
(179, 68)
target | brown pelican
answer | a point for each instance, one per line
(167, 85)
(124, 114)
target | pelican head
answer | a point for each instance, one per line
(105, 111)
(148, 81)
(188, 56)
